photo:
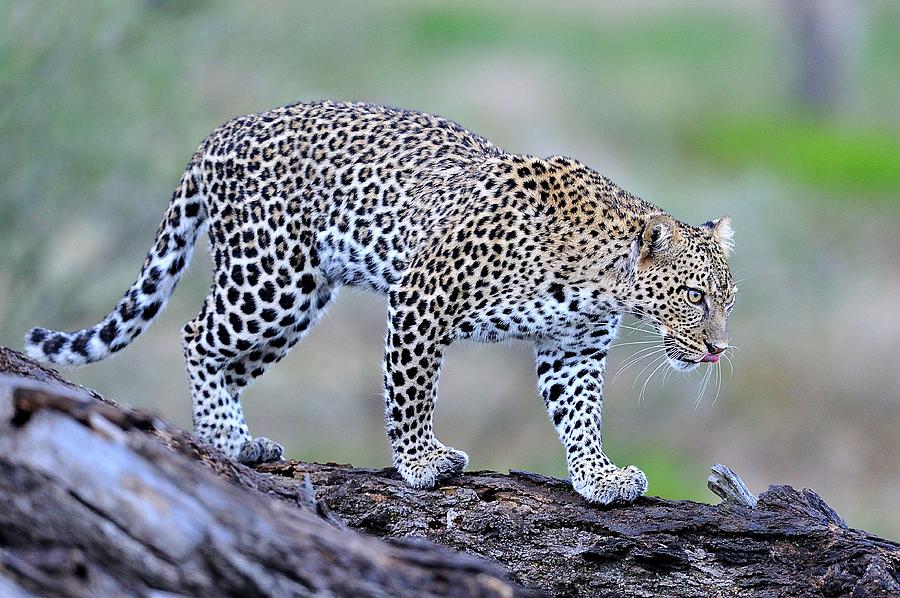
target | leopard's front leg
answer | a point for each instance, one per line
(570, 379)
(414, 350)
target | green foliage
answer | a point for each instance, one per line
(835, 160)
(692, 38)
(671, 475)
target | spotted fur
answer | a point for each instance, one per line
(465, 239)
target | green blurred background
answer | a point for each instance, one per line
(781, 114)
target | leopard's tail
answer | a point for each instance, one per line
(184, 221)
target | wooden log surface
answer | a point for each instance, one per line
(101, 500)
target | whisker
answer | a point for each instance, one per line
(641, 373)
(703, 384)
(640, 351)
(718, 383)
(634, 329)
(644, 387)
(655, 342)
(666, 375)
(730, 365)
(637, 357)
(643, 357)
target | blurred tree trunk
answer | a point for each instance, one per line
(827, 35)
(102, 500)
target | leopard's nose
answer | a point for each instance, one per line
(716, 347)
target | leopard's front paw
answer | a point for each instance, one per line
(260, 450)
(620, 485)
(426, 470)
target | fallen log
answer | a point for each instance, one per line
(97, 503)
(100, 499)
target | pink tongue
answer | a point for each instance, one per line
(711, 358)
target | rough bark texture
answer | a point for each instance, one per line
(101, 500)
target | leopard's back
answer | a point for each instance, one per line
(349, 174)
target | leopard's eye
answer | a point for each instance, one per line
(694, 296)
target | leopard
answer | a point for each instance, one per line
(466, 241)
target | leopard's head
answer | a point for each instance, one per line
(683, 287)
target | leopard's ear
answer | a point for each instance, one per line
(660, 235)
(723, 232)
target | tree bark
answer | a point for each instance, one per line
(99, 499)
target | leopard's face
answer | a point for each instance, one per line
(684, 288)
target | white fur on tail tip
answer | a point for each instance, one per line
(33, 349)
(47, 346)
(54, 347)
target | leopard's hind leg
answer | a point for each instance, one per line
(277, 342)
(239, 332)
